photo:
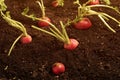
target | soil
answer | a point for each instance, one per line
(96, 58)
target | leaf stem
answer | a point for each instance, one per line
(106, 23)
(42, 7)
(105, 6)
(13, 23)
(64, 32)
(11, 48)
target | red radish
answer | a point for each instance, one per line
(58, 68)
(72, 45)
(85, 23)
(26, 39)
(55, 3)
(43, 23)
(94, 2)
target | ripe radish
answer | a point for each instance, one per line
(58, 68)
(85, 23)
(43, 23)
(26, 39)
(55, 3)
(72, 45)
(94, 2)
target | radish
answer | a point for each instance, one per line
(43, 23)
(84, 23)
(94, 2)
(58, 68)
(54, 3)
(26, 39)
(71, 45)
(57, 3)
(44, 17)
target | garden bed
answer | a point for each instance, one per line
(96, 58)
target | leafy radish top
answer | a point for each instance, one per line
(15, 24)
(86, 10)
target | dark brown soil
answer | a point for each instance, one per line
(96, 58)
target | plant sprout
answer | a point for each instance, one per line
(86, 10)
(42, 7)
(24, 37)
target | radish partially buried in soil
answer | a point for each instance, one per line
(26, 39)
(94, 2)
(72, 45)
(58, 68)
(43, 23)
(84, 23)
(57, 3)
(44, 17)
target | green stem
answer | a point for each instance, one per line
(79, 11)
(106, 23)
(41, 4)
(53, 26)
(106, 6)
(87, 2)
(43, 30)
(65, 33)
(14, 44)
(61, 38)
(3, 6)
(111, 18)
(54, 34)
(14, 23)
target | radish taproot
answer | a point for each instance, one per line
(58, 68)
